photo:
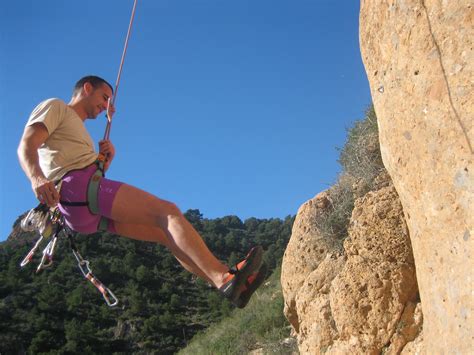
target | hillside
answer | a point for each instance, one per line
(260, 329)
(161, 305)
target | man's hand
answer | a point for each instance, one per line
(107, 149)
(45, 191)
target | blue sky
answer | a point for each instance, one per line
(231, 107)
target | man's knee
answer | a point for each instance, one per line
(174, 210)
(170, 216)
(167, 208)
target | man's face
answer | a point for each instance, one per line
(97, 99)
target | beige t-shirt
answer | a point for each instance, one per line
(69, 145)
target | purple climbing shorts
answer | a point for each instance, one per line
(74, 189)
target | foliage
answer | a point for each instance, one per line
(361, 163)
(161, 305)
(334, 222)
(261, 325)
(360, 157)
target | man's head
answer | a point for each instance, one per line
(93, 92)
(94, 81)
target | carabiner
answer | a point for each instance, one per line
(35, 219)
(107, 299)
(29, 256)
(83, 265)
(105, 291)
(47, 259)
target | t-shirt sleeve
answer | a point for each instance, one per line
(49, 112)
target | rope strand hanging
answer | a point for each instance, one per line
(117, 82)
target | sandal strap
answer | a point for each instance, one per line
(235, 269)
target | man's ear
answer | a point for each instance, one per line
(87, 88)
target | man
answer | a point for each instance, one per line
(56, 146)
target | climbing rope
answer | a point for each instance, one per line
(117, 82)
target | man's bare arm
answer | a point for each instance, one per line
(33, 137)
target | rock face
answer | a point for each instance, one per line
(360, 301)
(378, 281)
(307, 257)
(305, 251)
(419, 59)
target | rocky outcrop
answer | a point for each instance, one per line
(362, 300)
(305, 251)
(419, 59)
(378, 281)
(309, 265)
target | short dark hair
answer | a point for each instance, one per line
(95, 81)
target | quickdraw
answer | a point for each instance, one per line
(45, 222)
(83, 264)
(49, 223)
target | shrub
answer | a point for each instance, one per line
(361, 163)
(260, 325)
(334, 223)
(360, 157)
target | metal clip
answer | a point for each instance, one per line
(47, 259)
(83, 265)
(35, 219)
(106, 293)
(29, 257)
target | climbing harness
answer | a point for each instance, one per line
(92, 199)
(39, 218)
(49, 222)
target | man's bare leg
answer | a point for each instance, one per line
(135, 206)
(155, 234)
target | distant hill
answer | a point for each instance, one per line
(161, 305)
